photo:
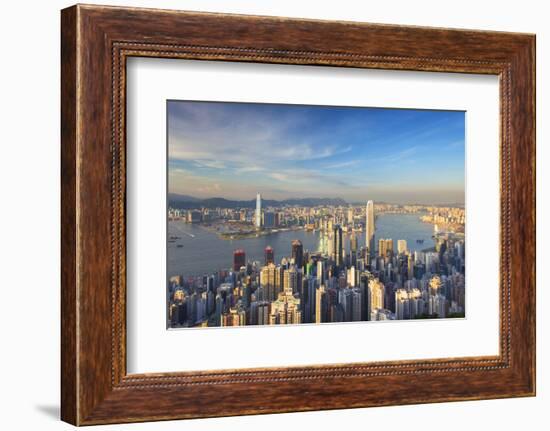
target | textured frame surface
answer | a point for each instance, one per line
(96, 41)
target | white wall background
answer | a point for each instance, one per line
(29, 215)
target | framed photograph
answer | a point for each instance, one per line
(329, 214)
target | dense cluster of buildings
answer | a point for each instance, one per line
(333, 284)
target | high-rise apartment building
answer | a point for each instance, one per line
(338, 246)
(320, 306)
(269, 255)
(269, 219)
(376, 295)
(268, 281)
(286, 309)
(369, 228)
(350, 216)
(401, 246)
(385, 247)
(290, 281)
(239, 259)
(356, 305)
(298, 253)
(320, 272)
(401, 304)
(435, 285)
(258, 215)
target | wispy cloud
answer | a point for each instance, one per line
(399, 156)
(279, 176)
(212, 164)
(345, 164)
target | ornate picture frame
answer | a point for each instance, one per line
(96, 41)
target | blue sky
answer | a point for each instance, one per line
(234, 150)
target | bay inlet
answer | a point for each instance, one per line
(198, 251)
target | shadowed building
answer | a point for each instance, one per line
(298, 253)
(269, 255)
(338, 247)
(239, 259)
(369, 228)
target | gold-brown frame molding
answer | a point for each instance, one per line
(96, 42)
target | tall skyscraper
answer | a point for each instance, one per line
(268, 281)
(376, 295)
(353, 243)
(258, 221)
(320, 312)
(320, 272)
(353, 250)
(352, 276)
(350, 215)
(385, 247)
(269, 255)
(369, 228)
(298, 253)
(239, 259)
(338, 246)
(401, 246)
(435, 285)
(410, 265)
(290, 281)
(286, 309)
(416, 303)
(356, 305)
(269, 219)
(330, 244)
(402, 306)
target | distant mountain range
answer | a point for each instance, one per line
(176, 200)
(188, 202)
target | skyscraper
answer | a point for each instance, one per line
(356, 305)
(350, 215)
(435, 285)
(286, 309)
(268, 281)
(239, 259)
(385, 247)
(402, 307)
(353, 243)
(330, 244)
(269, 219)
(258, 221)
(376, 295)
(269, 255)
(338, 246)
(320, 312)
(353, 250)
(369, 228)
(401, 246)
(298, 253)
(320, 272)
(290, 281)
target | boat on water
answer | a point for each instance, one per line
(420, 241)
(179, 246)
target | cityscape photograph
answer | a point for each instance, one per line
(283, 214)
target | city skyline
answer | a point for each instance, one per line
(387, 277)
(375, 229)
(235, 150)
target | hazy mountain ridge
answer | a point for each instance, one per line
(189, 202)
(175, 197)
